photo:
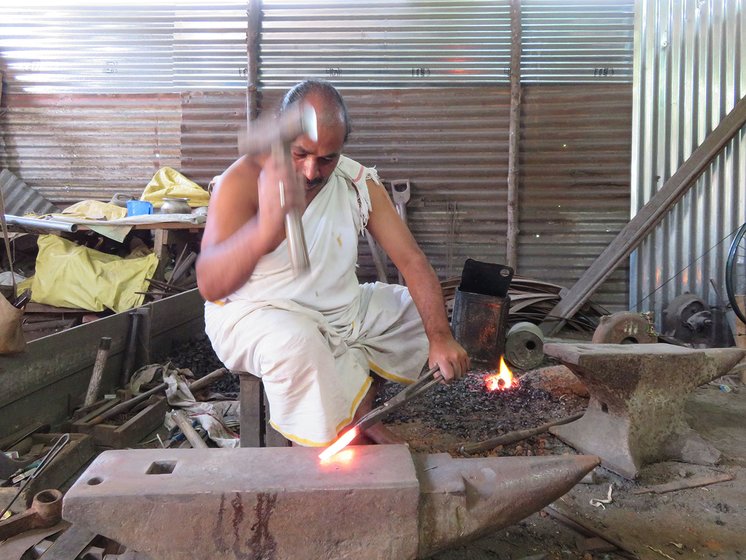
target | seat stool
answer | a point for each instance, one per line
(256, 431)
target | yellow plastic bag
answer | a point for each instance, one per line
(95, 210)
(169, 183)
(68, 275)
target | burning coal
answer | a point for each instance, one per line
(502, 380)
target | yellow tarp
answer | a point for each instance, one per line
(169, 183)
(68, 275)
(95, 210)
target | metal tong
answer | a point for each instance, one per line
(432, 377)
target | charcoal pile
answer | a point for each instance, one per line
(467, 411)
(197, 355)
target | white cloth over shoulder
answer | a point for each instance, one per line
(313, 339)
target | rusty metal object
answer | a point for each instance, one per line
(479, 323)
(624, 327)
(45, 511)
(372, 502)
(688, 319)
(636, 411)
(524, 346)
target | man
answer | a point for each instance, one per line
(314, 338)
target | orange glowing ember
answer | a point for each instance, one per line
(501, 381)
(343, 441)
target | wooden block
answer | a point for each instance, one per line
(133, 430)
(250, 416)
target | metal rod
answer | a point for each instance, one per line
(253, 33)
(36, 223)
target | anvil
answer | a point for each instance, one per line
(368, 502)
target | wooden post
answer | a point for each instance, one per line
(514, 133)
(253, 34)
(94, 386)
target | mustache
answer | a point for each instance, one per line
(314, 183)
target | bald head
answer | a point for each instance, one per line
(330, 107)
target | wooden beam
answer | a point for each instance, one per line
(646, 219)
(514, 133)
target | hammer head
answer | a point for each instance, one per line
(270, 130)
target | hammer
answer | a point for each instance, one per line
(275, 135)
(400, 192)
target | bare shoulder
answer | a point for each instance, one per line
(233, 201)
(379, 196)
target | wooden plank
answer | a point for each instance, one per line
(646, 218)
(55, 357)
(250, 415)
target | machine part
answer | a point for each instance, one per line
(636, 411)
(524, 346)
(45, 511)
(688, 319)
(625, 327)
(375, 502)
(479, 323)
(735, 273)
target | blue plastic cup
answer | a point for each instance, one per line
(139, 207)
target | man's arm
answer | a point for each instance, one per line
(237, 234)
(395, 238)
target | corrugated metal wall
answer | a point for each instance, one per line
(95, 94)
(574, 185)
(428, 89)
(688, 76)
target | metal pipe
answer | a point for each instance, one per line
(36, 223)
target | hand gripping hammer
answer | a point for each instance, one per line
(272, 134)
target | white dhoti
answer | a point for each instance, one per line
(315, 375)
(313, 340)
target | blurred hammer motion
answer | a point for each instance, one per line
(275, 134)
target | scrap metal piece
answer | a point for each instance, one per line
(636, 411)
(524, 346)
(624, 327)
(370, 502)
(45, 511)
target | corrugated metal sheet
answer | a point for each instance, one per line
(124, 48)
(444, 43)
(577, 41)
(574, 183)
(75, 147)
(209, 132)
(21, 199)
(688, 76)
(389, 43)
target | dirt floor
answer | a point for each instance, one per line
(706, 522)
